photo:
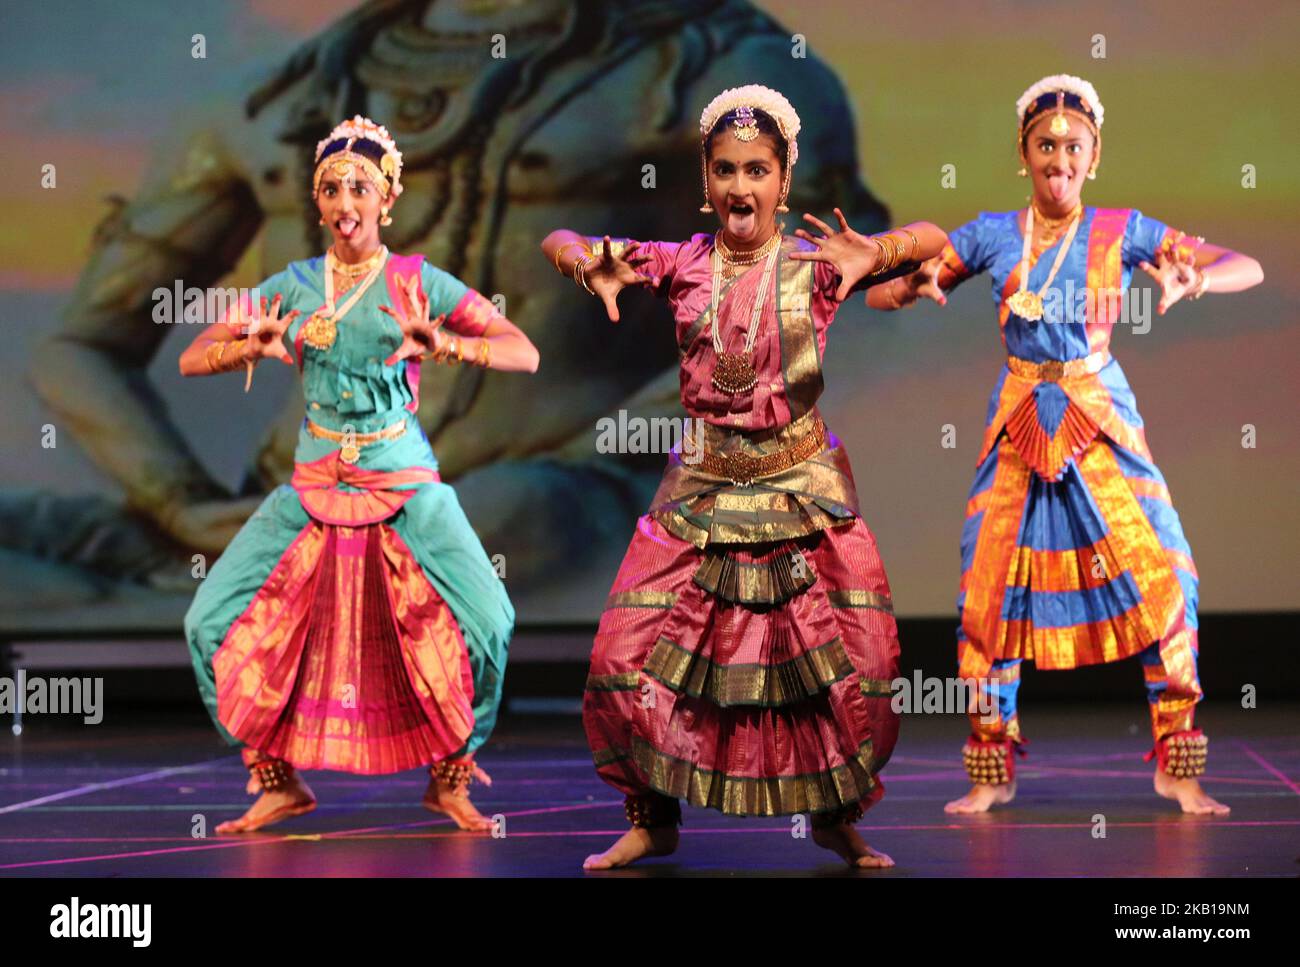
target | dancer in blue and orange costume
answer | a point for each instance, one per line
(355, 622)
(1072, 553)
(745, 655)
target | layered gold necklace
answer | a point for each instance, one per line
(733, 262)
(734, 372)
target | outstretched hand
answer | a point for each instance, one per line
(608, 274)
(419, 334)
(1176, 277)
(265, 330)
(853, 255)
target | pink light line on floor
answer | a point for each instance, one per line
(1260, 760)
(262, 841)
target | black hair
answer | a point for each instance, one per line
(766, 125)
(362, 146)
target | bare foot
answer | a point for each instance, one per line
(293, 799)
(1189, 794)
(849, 844)
(444, 798)
(636, 843)
(981, 797)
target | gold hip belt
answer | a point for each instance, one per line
(352, 442)
(743, 469)
(1055, 370)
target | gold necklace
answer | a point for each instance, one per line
(358, 269)
(1052, 224)
(733, 262)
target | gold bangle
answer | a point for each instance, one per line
(888, 252)
(560, 252)
(215, 355)
(884, 256)
(897, 242)
(460, 350)
(916, 244)
(484, 356)
(580, 273)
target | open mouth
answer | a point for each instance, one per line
(742, 222)
(347, 227)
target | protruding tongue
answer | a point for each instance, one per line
(1058, 185)
(347, 227)
(742, 225)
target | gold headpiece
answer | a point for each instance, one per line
(380, 159)
(744, 101)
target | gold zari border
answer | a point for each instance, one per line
(745, 796)
(783, 683)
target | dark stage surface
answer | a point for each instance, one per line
(117, 801)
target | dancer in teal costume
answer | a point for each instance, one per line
(362, 577)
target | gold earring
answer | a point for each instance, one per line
(322, 219)
(706, 208)
(785, 189)
(1092, 172)
(1022, 172)
(385, 219)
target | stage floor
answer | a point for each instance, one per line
(117, 801)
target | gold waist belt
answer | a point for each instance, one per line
(351, 443)
(743, 469)
(1055, 370)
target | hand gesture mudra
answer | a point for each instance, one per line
(853, 255)
(419, 334)
(1177, 276)
(265, 330)
(607, 275)
(921, 284)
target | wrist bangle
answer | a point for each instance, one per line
(560, 252)
(580, 272)
(890, 250)
(884, 255)
(219, 362)
(484, 357)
